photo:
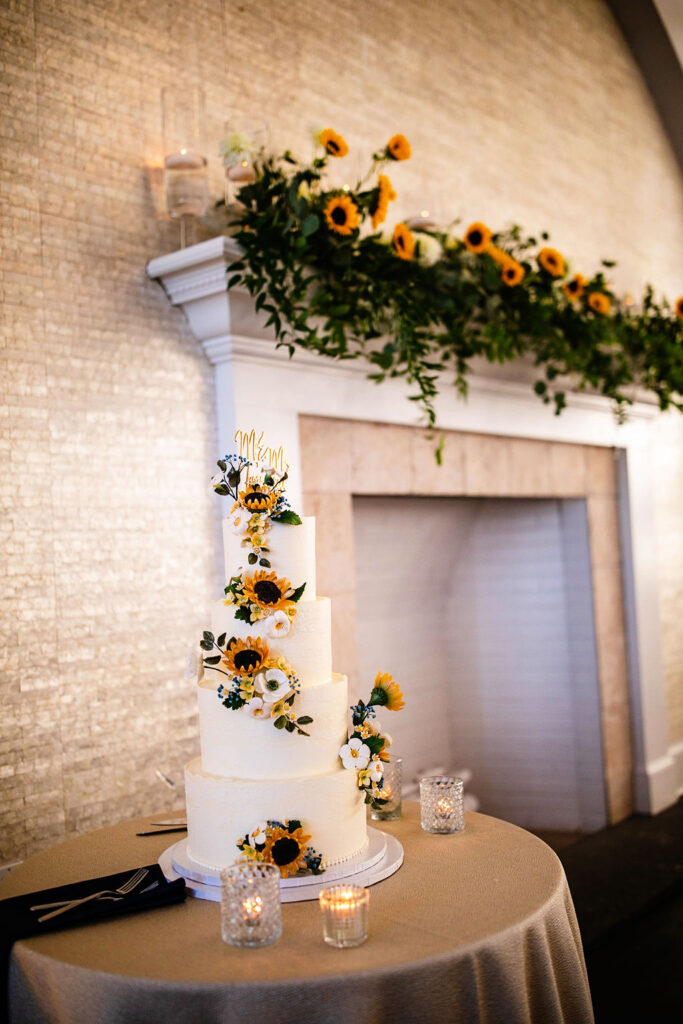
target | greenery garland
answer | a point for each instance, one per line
(419, 302)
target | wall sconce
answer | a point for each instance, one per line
(186, 179)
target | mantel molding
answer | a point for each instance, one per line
(258, 386)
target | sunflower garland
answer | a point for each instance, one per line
(284, 844)
(263, 685)
(327, 286)
(367, 748)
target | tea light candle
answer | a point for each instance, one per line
(187, 186)
(243, 172)
(344, 911)
(253, 908)
(441, 804)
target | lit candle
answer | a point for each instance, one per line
(187, 189)
(243, 172)
(444, 808)
(344, 915)
(252, 909)
(424, 221)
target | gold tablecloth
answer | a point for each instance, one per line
(474, 927)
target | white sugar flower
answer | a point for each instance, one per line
(239, 520)
(278, 624)
(273, 685)
(194, 665)
(257, 708)
(217, 480)
(429, 250)
(355, 754)
(376, 769)
(258, 836)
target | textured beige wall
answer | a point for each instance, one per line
(531, 110)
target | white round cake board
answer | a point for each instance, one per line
(381, 858)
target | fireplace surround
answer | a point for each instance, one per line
(345, 436)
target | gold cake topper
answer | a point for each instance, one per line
(252, 447)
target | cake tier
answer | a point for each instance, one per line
(307, 646)
(234, 743)
(221, 811)
(291, 553)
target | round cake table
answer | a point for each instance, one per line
(477, 926)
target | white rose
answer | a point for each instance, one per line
(355, 754)
(257, 708)
(278, 624)
(273, 685)
(239, 520)
(429, 250)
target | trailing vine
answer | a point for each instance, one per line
(422, 301)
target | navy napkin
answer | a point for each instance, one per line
(18, 921)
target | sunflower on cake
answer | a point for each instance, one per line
(293, 795)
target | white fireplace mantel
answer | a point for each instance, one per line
(258, 386)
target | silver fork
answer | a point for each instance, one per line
(123, 890)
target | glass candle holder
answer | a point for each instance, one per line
(441, 804)
(344, 911)
(251, 914)
(393, 771)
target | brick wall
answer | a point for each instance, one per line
(525, 110)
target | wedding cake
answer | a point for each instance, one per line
(273, 780)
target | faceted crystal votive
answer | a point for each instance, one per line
(251, 914)
(344, 911)
(391, 810)
(441, 804)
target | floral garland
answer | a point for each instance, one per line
(283, 844)
(367, 748)
(265, 687)
(441, 299)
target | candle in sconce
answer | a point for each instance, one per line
(344, 910)
(187, 186)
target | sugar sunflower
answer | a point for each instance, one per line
(341, 214)
(287, 850)
(267, 590)
(574, 289)
(512, 272)
(398, 148)
(599, 303)
(333, 142)
(403, 242)
(387, 693)
(385, 195)
(552, 262)
(477, 237)
(243, 657)
(679, 308)
(257, 498)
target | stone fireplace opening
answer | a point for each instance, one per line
(483, 608)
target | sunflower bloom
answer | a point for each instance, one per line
(333, 143)
(398, 148)
(477, 237)
(574, 289)
(599, 303)
(257, 498)
(403, 241)
(552, 262)
(341, 214)
(385, 195)
(679, 308)
(244, 656)
(499, 256)
(267, 591)
(512, 272)
(287, 850)
(387, 692)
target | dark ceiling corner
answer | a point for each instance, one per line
(649, 41)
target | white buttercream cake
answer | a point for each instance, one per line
(275, 670)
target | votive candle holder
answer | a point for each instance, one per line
(441, 804)
(393, 771)
(344, 910)
(251, 914)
